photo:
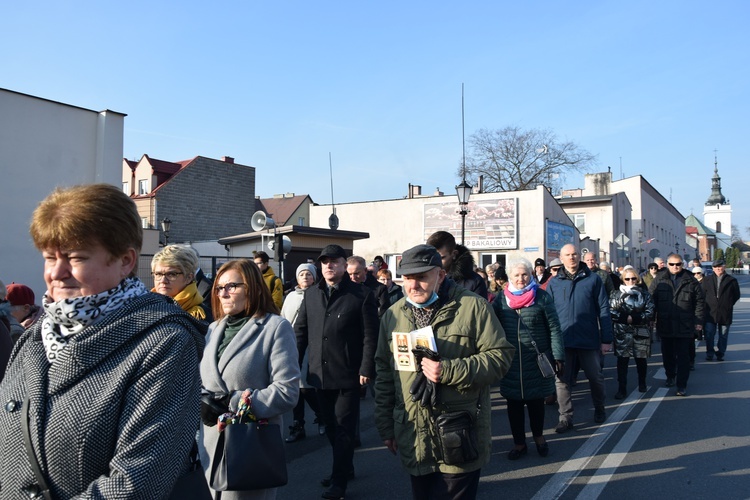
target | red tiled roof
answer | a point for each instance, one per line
(280, 209)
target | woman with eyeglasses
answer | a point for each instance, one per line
(248, 347)
(173, 269)
(631, 309)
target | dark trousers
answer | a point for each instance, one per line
(340, 411)
(517, 419)
(675, 354)
(311, 398)
(440, 486)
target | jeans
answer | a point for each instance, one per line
(590, 361)
(709, 331)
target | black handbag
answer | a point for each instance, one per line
(249, 456)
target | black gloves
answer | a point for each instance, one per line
(213, 404)
(423, 389)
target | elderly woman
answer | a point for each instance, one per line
(528, 314)
(307, 275)
(173, 269)
(248, 347)
(107, 379)
(632, 309)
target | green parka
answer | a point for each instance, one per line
(524, 381)
(475, 354)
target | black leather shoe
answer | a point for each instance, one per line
(620, 394)
(515, 453)
(335, 493)
(542, 449)
(296, 433)
(326, 481)
(642, 387)
(670, 382)
(599, 415)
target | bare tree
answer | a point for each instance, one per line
(512, 159)
(736, 236)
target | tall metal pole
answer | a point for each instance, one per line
(463, 164)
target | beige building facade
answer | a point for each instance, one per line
(498, 226)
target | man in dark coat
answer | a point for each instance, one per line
(338, 321)
(458, 262)
(356, 268)
(679, 303)
(721, 291)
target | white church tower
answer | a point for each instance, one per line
(717, 212)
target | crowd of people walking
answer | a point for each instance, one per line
(151, 389)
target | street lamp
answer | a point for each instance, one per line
(463, 191)
(166, 224)
(677, 248)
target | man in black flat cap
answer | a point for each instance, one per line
(722, 293)
(338, 322)
(473, 354)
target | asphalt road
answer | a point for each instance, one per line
(653, 445)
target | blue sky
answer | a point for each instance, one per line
(652, 88)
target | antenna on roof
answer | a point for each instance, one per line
(333, 220)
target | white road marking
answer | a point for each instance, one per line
(612, 461)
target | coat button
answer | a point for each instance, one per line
(325, 338)
(12, 406)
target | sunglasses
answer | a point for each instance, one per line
(630, 279)
(675, 264)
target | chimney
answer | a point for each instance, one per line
(227, 159)
(414, 190)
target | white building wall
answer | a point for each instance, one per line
(396, 225)
(45, 144)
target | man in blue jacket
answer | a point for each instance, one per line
(583, 307)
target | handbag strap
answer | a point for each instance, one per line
(533, 343)
(41, 481)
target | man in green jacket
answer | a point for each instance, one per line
(473, 354)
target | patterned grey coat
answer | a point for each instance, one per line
(261, 357)
(632, 340)
(115, 415)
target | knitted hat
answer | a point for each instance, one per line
(307, 267)
(20, 295)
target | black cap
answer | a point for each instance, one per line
(719, 263)
(539, 262)
(332, 251)
(419, 259)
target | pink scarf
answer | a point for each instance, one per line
(521, 298)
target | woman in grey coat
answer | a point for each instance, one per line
(107, 379)
(249, 347)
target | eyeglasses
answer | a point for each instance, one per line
(556, 268)
(675, 264)
(171, 275)
(229, 287)
(630, 279)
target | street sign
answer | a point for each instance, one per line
(622, 240)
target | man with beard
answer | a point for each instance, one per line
(458, 262)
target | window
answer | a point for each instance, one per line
(143, 186)
(126, 188)
(301, 221)
(579, 220)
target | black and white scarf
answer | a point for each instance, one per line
(69, 316)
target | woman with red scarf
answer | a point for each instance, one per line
(529, 317)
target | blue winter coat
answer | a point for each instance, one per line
(583, 308)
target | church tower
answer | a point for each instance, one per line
(717, 212)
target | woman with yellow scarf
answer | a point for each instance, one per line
(173, 269)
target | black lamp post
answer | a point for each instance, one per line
(166, 224)
(463, 191)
